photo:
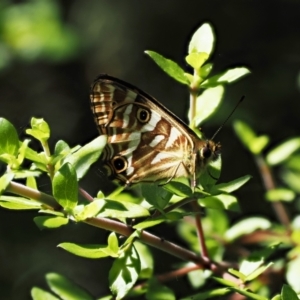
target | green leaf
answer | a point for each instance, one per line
(293, 273)
(26, 173)
(150, 223)
(209, 177)
(22, 151)
(280, 194)
(258, 144)
(205, 70)
(40, 158)
(209, 294)
(248, 294)
(224, 281)
(237, 274)
(9, 141)
(146, 258)
(231, 186)
(87, 251)
(158, 291)
(169, 66)
(202, 40)
(5, 181)
(258, 271)
(219, 222)
(82, 212)
(39, 129)
(207, 103)
(283, 151)
(61, 146)
(50, 222)
(65, 288)
(248, 137)
(39, 294)
(225, 77)
(124, 272)
(11, 202)
(156, 195)
(31, 182)
(87, 155)
(65, 186)
(179, 188)
(121, 209)
(113, 243)
(287, 293)
(247, 226)
(221, 201)
(173, 216)
(196, 59)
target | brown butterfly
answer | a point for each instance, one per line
(146, 141)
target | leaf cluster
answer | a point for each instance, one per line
(209, 238)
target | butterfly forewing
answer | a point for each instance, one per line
(146, 142)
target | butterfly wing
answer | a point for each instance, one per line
(146, 142)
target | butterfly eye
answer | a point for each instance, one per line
(143, 115)
(206, 152)
(119, 164)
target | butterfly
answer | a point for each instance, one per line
(146, 141)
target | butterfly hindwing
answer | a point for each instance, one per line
(146, 142)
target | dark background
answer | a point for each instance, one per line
(110, 37)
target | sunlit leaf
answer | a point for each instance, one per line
(146, 258)
(231, 186)
(87, 251)
(253, 143)
(196, 59)
(258, 271)
(88, 211)
(293, 273)
(202, 40)
(218, 292)
(169, 66)
(225, 77)
(11, 202)
(31, 182)
(280, 194)
(9, 141)
(50, 222)
(283, 151)
(122, 209)
(87, 155)
(39, 129)
(39, 294)
(124, 272)
(207, 103)
(5, 179)
(65, 186)
(247, 226)
(65, 288)
(248, 294)
(221, 201)
(237, 274)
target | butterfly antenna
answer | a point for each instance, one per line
(236, 106)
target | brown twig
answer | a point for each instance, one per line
(269, 184)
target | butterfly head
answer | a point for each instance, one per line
(210, 151)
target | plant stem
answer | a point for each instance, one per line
(193, 98)
(200, 233)
(269, 184)
(22, 190)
